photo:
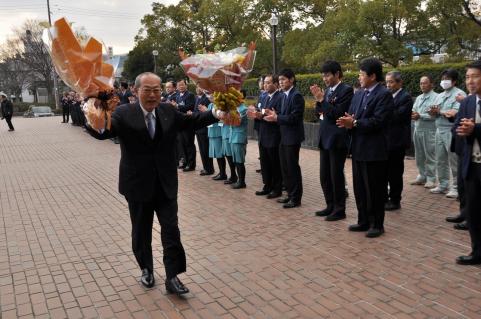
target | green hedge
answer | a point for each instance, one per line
(411, 75)
(23, 106)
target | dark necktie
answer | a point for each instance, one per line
(151, 124)
(330, 91)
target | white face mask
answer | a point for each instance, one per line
(446, 84)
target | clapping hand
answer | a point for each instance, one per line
(450, 113)
(317, 92)
(460, 97)
(466, 127)
(252, 113)
(415, 116)
(189, 112)
(434, 110)
(346, 121)
(202, 108)
(271, 116)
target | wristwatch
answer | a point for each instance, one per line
(354, 123)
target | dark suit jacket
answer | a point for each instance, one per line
(291, 118)
(399, 129)
(468, 109)
(198, 101)
(169, 97)
(7, 108)
(142, 157)
(269, 133)
(124, 97)
(186, 102)
(330, 135)
(369, 139)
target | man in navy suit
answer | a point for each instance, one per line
(185, 102)
(399, 138)
(333, 141)
(367, 120)
(468, 126)
(269, 138)
(201, 134)
(291, 124)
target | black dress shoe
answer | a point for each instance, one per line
(175, 286)
(357, 227)
(181, 166)
(461, 226)
(147, 278)
(468, 260)
(258, 170)
(392, 206)
(263, 192)
(230, 181)
(238, 185)
(335, 216)
(324, 212)
(204, 173)
(291, 204)
(283, 200)
(374, 232)
(346, 193)
(274, 195)
(455, 219)
(219, 177)
(188, 169)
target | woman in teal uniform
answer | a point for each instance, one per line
(238, 143)
(214, 133)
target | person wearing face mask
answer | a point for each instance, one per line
(445, 109)
(425, 134)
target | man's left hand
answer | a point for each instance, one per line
(271, 116)
(466, 127)
(346, 121)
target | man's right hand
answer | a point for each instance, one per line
(317, 92)
(415, 116)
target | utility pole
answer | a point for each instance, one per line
(54, 73)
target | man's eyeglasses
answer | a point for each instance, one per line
(149, 91)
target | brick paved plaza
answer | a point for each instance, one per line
(65, 246)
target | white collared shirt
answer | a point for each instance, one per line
(476, 154)
(288, 91)
(333, 88)
(396, 93)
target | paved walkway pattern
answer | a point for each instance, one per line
(65, 246)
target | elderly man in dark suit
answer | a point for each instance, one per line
(148, 174)
(367, 120)
(291, 124)
(7, 111)
(333, 141)
(468, 126)
(399, 138)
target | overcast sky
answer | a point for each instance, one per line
(114, 22)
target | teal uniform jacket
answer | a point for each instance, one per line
(238, 136)
(214, 133)
(226, 150)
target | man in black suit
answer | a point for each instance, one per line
(269, 138)
(333, 141)
(124, 93)
(291, 124)
(202, 139)
(468, 126)
(170, 92)
(185, 102)
(7, 111)
(399, 138)
(367, 120)
(148, 174)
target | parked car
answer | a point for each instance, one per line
(38, 111)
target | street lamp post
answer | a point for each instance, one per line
(274, 21)
(155, 53)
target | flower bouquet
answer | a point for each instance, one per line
(222, 74)
(79, 64)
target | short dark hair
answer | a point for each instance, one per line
(451, 74)
(372, 66)
(173, 83)
(124, 85)
(288, 73)
(244, 93)
(332, 67)
(275, 78)
(397, 76)
(429, 76)
(182, 80)
(474, 65)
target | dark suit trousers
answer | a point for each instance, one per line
(180, 148)
(65, 113)
(332, 179)
(142, 216)
(8, 119)
(461, 189)
(291, 171)
(188, 147)
(395, 174)
(271, 168)
(473, 206)
(203, 142)
(370, 185)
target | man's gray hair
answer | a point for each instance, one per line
(139, 77)
(396, 75)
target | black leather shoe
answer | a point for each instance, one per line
(283, 200)
(204, 173)
(188, 169)
(263, 192)
(230, 181)
(455, 219)
(392, 206)
(461, 226)
(219, 177)
(346, 193)
(374, 232)
(238, 185)
(335, 216)
(357, 227)
(258, 170)
(291, 204)
(147, 278)
(273, 195)
(324, 212)
(175, 286)
(181, 166)
(468, 260)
